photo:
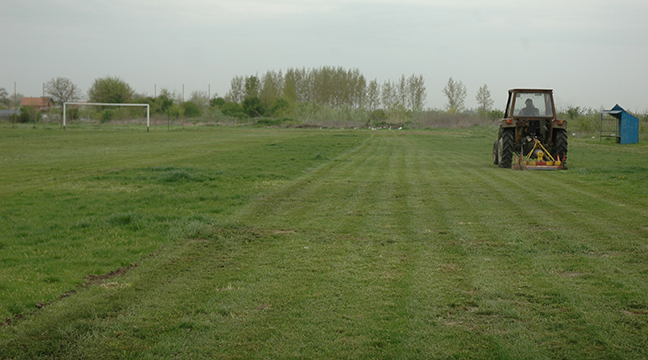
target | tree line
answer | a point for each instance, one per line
(328, 86)
(273, 94)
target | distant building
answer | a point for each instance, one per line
(41, 104)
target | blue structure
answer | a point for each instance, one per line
(9, 113)
(627, 125)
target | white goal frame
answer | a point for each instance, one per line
(148, 110)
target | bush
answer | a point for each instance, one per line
(174, 111)
(107, 115)
(274, 122)
(217, 102)
(27, 114)
(72, 113)
(232, 109)
(495, 115)
(378, 115)
(253, 107)
(191, 109)
(280, 106)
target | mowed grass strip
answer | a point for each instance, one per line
(406, 245)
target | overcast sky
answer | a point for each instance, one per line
(593, 53)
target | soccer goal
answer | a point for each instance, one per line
(148, 110)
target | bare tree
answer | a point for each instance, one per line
(484, 99)
(62, 90)
(200, 98)
(455, 91)
(237, 90)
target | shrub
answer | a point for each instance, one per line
(217, 102)
(253, 107)
(274, 122)
(232, 109)
(280, 106)
(378, 115)
(107, 115)
(27, 114)
(191, 109)
(495, 114)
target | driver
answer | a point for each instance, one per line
(529, 110)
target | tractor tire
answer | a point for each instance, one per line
(496, 159)
(508, 148)
(560, 145)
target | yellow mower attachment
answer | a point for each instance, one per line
(526, 163)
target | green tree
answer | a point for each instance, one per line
(4, 97)
(373, 95)
(291, 84)
(359, 90)
(402, 91)
(389, 96)
(62, 90)
(280, 107)
(164, 101)
(455, 91)
(484, 99)
(574, 112)
(252, 85)
(28, 114)
(217, 102)
(253, 106)
(191, 110)
(110, 90)
(271, 88)
(416, 92)
(233, 109)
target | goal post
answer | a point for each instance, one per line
(148, 110)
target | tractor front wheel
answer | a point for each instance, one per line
(496, 153)
(508, 147)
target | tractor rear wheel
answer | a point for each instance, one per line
(560, 145)
(496, 155)
(508, 147)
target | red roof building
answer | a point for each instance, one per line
(39, 103)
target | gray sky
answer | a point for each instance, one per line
(592, 53)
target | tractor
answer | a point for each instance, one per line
(530, 135)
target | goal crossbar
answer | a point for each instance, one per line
(148, 110)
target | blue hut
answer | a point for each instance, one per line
(626, 127)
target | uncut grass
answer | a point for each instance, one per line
(80, 203)
(406, 246)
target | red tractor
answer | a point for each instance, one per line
(530, 135)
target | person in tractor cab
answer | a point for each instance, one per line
(529, 110)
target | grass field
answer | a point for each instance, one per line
(285, 243)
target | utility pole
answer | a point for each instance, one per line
(15, 106)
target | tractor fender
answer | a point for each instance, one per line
(559, 124)
(508, 123)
